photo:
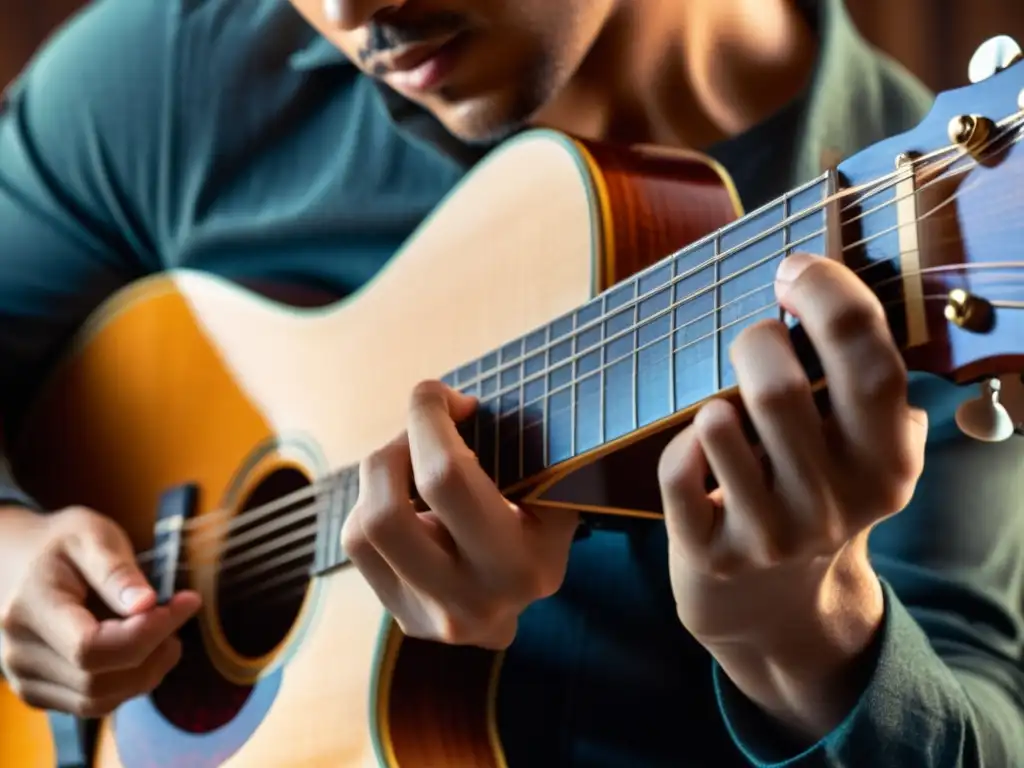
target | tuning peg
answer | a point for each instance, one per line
(993, 56)
(985, 418)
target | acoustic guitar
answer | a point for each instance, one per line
(223, 429)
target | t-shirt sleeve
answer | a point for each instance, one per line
(947, 690)
(79, 141)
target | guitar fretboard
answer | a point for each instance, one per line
(639, 352)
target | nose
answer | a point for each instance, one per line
(350, 14)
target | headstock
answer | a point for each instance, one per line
(939, 216)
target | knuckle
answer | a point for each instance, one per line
(12, 616)
(454, 630)
(832, 535)
(91, 686)
(753, 335)
(83, 650)
(353, 540)
(378, 521)
(850, 320)
(778, 395)
(715, 421)
(377, 461)
(90, 708)
(893, 495)
(445, 474)
(466, 626)
(536, 583)
(770, 552)
(670, 469)
(10, 658)
(81, 521)
(426, 394)
(467, 621)
(884, 380)
(29, 694)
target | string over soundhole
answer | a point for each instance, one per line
(265, 564)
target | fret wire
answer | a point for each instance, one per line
(333, 543)
(573, 367)
(339, 507)
(785, 243)
(476, 416)
(636, 356)
(522, 414)
(671, 342)
(546, 398)
(604, 378)
(498, 394)
(323, 526)
(717, 319)
(833, 219)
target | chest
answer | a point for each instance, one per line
(321, 191)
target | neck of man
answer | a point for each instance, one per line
(686, 73)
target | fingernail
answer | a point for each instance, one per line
(132, 596)
(792, 267)
(332, 10)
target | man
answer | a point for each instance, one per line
(232, 137)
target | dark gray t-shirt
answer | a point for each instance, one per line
(227, 136)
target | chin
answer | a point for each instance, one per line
(490, 119)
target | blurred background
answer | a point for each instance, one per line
(933, 38)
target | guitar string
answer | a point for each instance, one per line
(253, 587)
(235, 541)
(311, 530)
(304, 512)
(307, 491)
(206, 520)
(204, 523)
(867, 191)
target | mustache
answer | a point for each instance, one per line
(383, 37)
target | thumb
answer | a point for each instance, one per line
(104, 556)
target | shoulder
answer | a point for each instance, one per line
(133, 107)
(904, 99)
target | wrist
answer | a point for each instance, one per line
(810, 676)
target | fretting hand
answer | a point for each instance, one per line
(770, 572)
(463, 572)
(55, 653)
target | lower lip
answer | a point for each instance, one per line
(432, 72)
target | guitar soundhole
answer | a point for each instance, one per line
(264, 574)
(265, 564)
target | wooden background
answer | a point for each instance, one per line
(934, 38)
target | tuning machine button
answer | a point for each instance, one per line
(993, 56)
(985, 418)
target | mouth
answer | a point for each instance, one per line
(421, 67)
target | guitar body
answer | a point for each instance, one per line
(25, 739)
(184, 378)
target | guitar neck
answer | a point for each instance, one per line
(638, 354)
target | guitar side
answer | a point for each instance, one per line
(185, 378)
